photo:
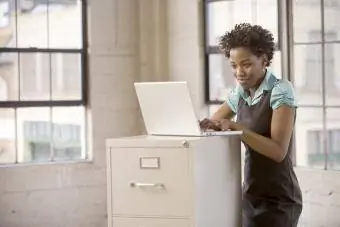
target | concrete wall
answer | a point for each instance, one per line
(131, 40)
(321, 194)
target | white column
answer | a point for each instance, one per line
(153, 43)
(113, 69)
(186, 47)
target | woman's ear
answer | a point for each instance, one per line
(264, 60)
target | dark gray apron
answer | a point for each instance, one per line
(271, 192)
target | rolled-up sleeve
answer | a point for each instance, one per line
(233, 99)
(283, 94)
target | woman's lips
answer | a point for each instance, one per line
(242, 80)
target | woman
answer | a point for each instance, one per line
(265, 107)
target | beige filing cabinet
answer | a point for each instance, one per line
(159, 181)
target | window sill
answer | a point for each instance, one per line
(31, 164)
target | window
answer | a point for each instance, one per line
(43, 54)
(315, 73)
(317, 79)
(314, 64)
(315, 145)
(222, 15)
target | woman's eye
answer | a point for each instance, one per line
(247, 65)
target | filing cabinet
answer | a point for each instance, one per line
(160, 181)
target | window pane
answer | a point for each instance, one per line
(66, 76)
(68, 133)
(34, 76)
(32, 24)
(261, 11)
(309, 138)
(221, 79)
(34, 134)
(44, 23)
(333, 128)
(276, 66)
(308, 74)
(212, 109)
(25, 6)
(332, 12)
(65, 18)
(223, 15)
(303, 24)
(7, 23)
(36, 70)
(332, 64)
(7, 136)
(9, 77)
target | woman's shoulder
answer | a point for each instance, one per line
(283, 93)
(233, 98)
(283, 85)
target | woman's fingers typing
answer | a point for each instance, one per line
(207, 124)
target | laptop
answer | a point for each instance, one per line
(167, 109)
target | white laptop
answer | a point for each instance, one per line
(167, 109)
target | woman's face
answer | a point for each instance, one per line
(247, 67)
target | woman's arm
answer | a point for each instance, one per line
(229, 108)
(224, 112)
(284, 105)
(275, 147)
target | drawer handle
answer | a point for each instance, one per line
(146, 185)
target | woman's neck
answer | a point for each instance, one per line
(257, 85)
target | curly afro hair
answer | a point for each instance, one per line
(259, 40)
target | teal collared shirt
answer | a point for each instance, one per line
(282, 93)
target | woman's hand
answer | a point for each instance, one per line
(225, 124)
(207, 124)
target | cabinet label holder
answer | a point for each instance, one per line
(149, 163)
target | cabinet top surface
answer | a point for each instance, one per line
(155, 138)
(156, 141)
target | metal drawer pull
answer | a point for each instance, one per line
(146, 185)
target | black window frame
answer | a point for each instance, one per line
(83, 51)
(208, 50)
(324, 106)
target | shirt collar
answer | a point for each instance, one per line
(266, 85)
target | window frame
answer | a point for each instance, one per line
(83, 54)
(210, 50)
(284, 45)
(325, 90)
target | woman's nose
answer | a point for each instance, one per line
(240, 72)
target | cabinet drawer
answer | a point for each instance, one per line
(147, 222)
(151, 181)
